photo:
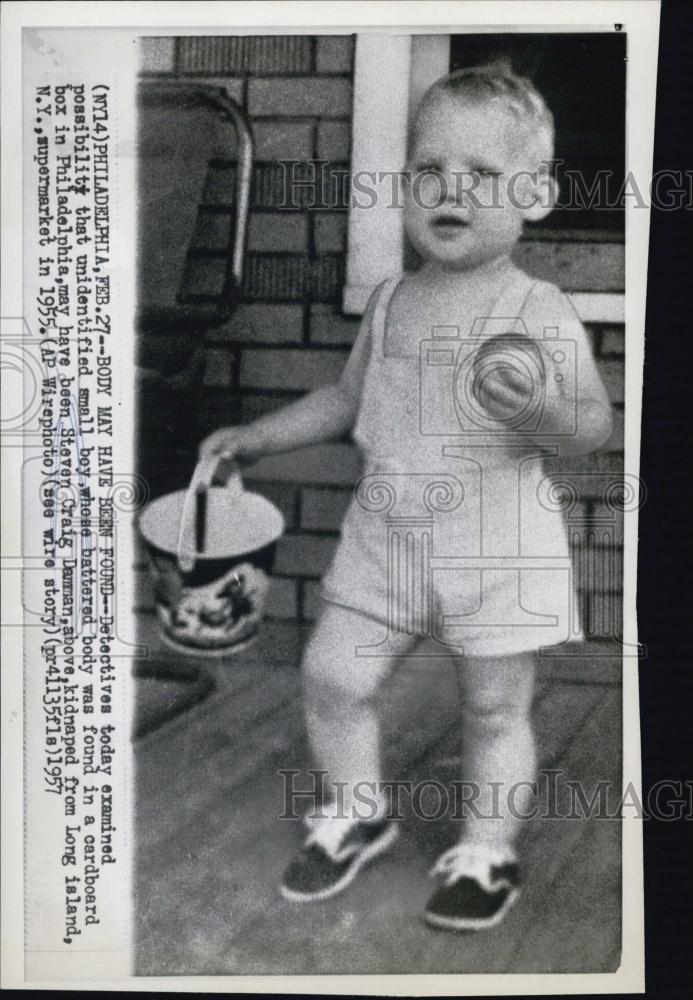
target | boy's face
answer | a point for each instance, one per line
(460, 210)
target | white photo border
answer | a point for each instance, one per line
(640, 19)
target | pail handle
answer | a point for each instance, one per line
(194, 517)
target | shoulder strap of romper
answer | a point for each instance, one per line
(384, 293)
(512, 299)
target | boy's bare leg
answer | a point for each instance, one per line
(343, 726)
(339, 691)
(480, 877)
(498, 743)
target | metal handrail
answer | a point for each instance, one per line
(219, 98)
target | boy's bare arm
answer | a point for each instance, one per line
(322, 415)
(325, 414)
(577, 407)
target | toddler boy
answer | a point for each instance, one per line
(463, 374)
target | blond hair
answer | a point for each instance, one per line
(498, 81)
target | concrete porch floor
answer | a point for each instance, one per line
(210, 848)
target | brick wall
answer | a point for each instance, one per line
(288, 334)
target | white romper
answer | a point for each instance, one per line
(453, 532)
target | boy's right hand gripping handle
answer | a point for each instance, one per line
(193, 522)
